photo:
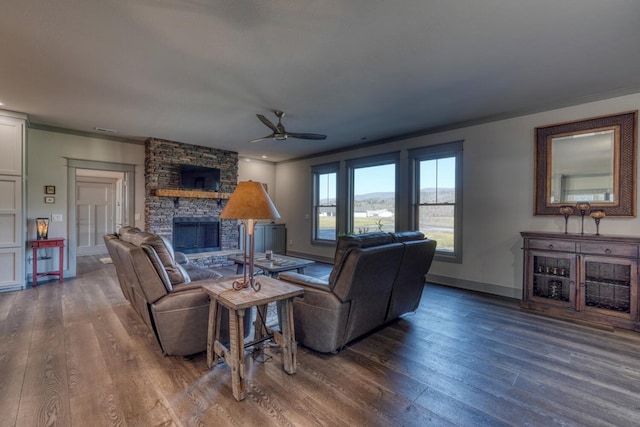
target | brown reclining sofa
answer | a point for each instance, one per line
(376, 277)
(166, 294)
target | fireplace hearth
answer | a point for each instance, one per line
(195, 235)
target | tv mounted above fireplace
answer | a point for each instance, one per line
(199, 178)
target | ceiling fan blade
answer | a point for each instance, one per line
(267, 123)
(280, 134)
(314, 136)
(264, 138)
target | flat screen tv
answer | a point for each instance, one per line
(199, 178)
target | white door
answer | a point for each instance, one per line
(96, 208)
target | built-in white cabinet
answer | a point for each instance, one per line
(12, 206)
(11, 145)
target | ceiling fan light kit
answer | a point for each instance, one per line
(279, 133)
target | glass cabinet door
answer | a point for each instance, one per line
(605, 286)
(553, 278)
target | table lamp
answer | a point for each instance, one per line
(249, 203)
(42, 228)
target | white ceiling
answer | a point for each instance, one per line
(198, 71)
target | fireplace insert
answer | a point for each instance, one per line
(194, 235)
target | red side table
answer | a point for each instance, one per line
(47, 243)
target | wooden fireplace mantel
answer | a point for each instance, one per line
(196, 194)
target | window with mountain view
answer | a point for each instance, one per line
(438, 195)
(373, 198)
(325, 203)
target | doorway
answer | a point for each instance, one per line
(98, 208)
(87, 171)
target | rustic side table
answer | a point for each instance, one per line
(47, 243)
(237, 302)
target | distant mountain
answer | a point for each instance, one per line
(385, 195)
(381, 195)
(325, 201)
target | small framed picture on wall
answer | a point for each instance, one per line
(49, 189)
(49, 199)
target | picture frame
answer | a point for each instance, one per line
(622, 156)
(49, 199)
(49, 189)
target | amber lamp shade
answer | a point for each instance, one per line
(248, 203)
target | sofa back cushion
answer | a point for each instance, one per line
(365, 282)
(347, 243)
(109, 240)
(407, 236)
(139, 273)
(160, 253)
(409, 282)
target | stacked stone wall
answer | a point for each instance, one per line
(163, 160)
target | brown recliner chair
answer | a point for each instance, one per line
(175, 308)
(376, 277)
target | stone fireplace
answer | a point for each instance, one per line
(194, 216)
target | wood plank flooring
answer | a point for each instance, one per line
(76, 354)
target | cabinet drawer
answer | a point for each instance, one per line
(611, 249)
(552, 245)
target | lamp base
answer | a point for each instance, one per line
(249, 228)
(245, 283)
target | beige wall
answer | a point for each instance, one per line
(261, 171)
(47, 154)
(497, 185)
(498, 173)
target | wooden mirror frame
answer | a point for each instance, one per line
(625, 205)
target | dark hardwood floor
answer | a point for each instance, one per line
(75, 354)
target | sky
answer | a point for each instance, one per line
(440, 172)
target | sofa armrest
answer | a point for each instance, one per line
(304, 280)
(181, 321)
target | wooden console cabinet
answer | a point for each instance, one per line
(585, 277)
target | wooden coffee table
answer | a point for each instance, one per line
(276, 265)
(222, 294)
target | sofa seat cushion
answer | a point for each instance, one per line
(200, 273)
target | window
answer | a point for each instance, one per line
(372, 197)
(325, 203)
(438, 195)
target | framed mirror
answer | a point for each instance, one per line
(592, 160)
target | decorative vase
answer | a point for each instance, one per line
(583, 207)
(597, 216)
(566, 211)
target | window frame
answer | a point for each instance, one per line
(434, 152)
(316, 172)
(369, 161)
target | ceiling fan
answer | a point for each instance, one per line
(279, 132)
